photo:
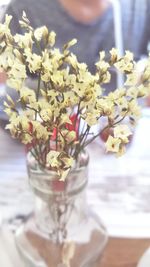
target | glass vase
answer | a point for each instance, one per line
(63, 231)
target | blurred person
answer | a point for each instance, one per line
(91, 22)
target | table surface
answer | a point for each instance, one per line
(125, 252)
(119, 252)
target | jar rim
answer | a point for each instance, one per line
(51, 173)
(47, 181)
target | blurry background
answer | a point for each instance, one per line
(3, 4)
(119, 189)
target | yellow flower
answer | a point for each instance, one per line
(104, 74)
(46, 114)
(72, 59)
(7, 59)
(68, 251)
(132, 79)
(24, 41)
(102, 65)
(33, 60)
(4, 28)
(70, 99)
(125, 64)
(18, 126)
(68, 161)
(25, 23)
(122, 103)
(118, 93)
(102, 55)
(27, 95)
(41, 32)
(114, 55)
(58, 78)
(53, 159)
(129, 55)
(92, 118)
(121, 151)
(123, 132)
(26, 138)
(113, 144)
(143, 91)
(70, 136)
(63, 174)
(146, 73)
(134, 108)
(51, 38)
(40, 131)
(18, 71)
(30, 114)
(64, 118)
(68, 45)
(105, 107)
(132, 92)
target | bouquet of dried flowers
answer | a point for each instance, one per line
(55, 120)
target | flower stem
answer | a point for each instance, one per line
(38, 92)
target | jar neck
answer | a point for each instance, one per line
(60, 206)
(46, 184)
(58, 218)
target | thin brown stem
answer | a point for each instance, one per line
(38, 92)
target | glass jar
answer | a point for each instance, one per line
(63, 231)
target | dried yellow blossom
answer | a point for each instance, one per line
(27, 95)
(18, 71)
(5, 30)
(122, 132)
(132, 92)
(69, 44)
(52, 158)
(40, 131)
(143, 91)
(68, 252)
(122, 150)
(41, 32)
(65, 119)
(132, 79)
(68, 161)
(70, 136)
(7, 59)
(27, 138)
(46, 114)
(24, 41)
(63, 174)
(51, 38)
(72, 59)
(113, 144)
(134, 108)
(105, 106)
(114, 55)
(122, 103)
(18, 127)
(125, 64)
(34, 61)
(92, 119)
